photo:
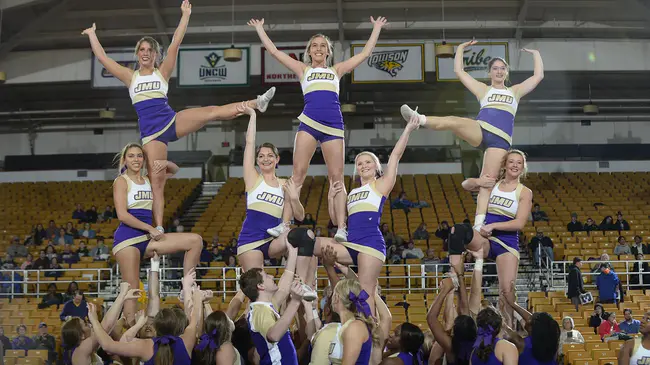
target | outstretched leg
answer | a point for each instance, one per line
(190, 243)
(465, 128)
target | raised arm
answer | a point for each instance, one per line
(439, 333)
(275, 333)
(385, 183)
(136, 348)
(284, 285)
(120, 188)
(475, 87)
(517, 224)
(196, 318)
(525, 315)
(124, 74)
(335, 188)
(111, 317)
(250, 173)
(132, 333)
(169, 63)
(351, 63)
(475, 184)
(291, 191)
(153, 305)
(235, 304)
(531, 83)
(385, 317)
(296, 66)
(463, 305)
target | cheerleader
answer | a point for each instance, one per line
(135, 238)
(321, 120)
(158, 123)
(493, 127)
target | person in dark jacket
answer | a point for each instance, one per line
(621, 224)
(575, 282)
(597, 317)
(574, 225)
(590, 225)
(51, 298)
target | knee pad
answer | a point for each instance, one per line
(461, 237)
(300, 238)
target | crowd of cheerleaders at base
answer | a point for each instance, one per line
(353, 310)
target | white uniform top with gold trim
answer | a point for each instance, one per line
(503, 99)
(503, 207)
(336, 347)
(146, 87)
(497, 116)
(640, 355)
(139, 196)
(139, 200)
(264, 204)
(322, 345)
(322, 111)
(365, 205)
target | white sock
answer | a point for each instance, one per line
(479, 219)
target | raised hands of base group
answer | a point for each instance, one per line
(413, 124)
(335, 188)
(468, 43)
(256, 23)
(380, 22)
(186, 7)
(487, 181)
(290, 189)
(90, 30)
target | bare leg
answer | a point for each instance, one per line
(342, 254)
(155, 151)
(334, 154)
(190, 243)
(465, 128)
(129, 260)
(450, 311)
(369, 269)
(492, 162)
(507, 265)
(303, 150)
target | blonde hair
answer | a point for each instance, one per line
(306, 58)
(154, 44)
(374, 157)
(343, 289)
(521, 153)
(120, 158)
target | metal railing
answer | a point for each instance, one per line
(591, 269)
(22, 284)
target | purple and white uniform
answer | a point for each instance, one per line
(502, 207)
(156, 119)
(139, 204)
(321, 116)
(497, 117)
(365, 205)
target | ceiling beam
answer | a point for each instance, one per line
(33, 27)
(339, 16)
(521, 19)
(160, 22)
(8, 4)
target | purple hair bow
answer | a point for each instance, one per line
(484, 336)
(361, 302)
(165, 340)
(208, 340)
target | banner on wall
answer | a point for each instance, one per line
(206, 67)
(476, 59)
(390, 63)
(101, 78)
(273, 72)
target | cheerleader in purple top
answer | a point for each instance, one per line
(174, 341)
(321, 120)
(158, 123)
(410, 343)
(488, 348)
(493, 127)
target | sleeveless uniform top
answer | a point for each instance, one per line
(264, 205)
(498, 110)
(321, 344)
(640, 355)
(139, 200)
(94, 358)
(261, 317)
(336, 348)
(322, 111)
(181, 357)
(149, 98)
(492, 359)
(526, 356)
(502, 207)
(365, 205)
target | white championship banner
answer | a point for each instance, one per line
(206, 67)
(101, 78)
(273, 72)
(390, 63)
(476, 59)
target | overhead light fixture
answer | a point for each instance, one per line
(232, 54)
(106, 114)
(3, 77)
(444, 50)
(348, 108)
(591, 108)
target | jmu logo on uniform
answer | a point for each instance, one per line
(643, 361)
(143, 195)
(502, 202)
(500, 98)
(270, 198)
(147, 86)
(358, 196)
(320, 76)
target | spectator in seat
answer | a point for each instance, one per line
(40, 232)
(402, 202)
(607, 283)
(412, 252)
(22, 341)
(390, 237)
(42, 262)
(318, 232)
(52, 230)
(70, 230)
(51, 298)
(629, 325)
(622, 248)
(641, 275)
(6, 281)
(569, 334)
(308, 221)
(217, 255)
(27, 264)
(83, 251)
(50, 252)
(430, 261)
(68, 256)
(609, 325)
(608, 224)
(6, 342)
(69, 293)
(636, 247)
(443, 233)
(64, 238)
(575, 282)
(100, 252)
(79, 214)
(538, 214)
(541, 244)
(621, 224)
(8, 262)
(230, 250)
(107, 215)
(16, 248)
(574, 225)
(394, 253)
(76, 307)
(54, 265)
(597, 317)
(421, 232)
(590, 225)
(91, 215)
(87, 231)
(45, 341)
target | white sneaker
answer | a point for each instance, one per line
(264, 99)
(277, 230)
(160, 229)
(408, 113)
(341, 235)
(308, 293)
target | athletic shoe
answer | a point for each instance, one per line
(341, 235)
(308, 293)
(408, 113)
(264, 99)
(277, 230)
(454, 279)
